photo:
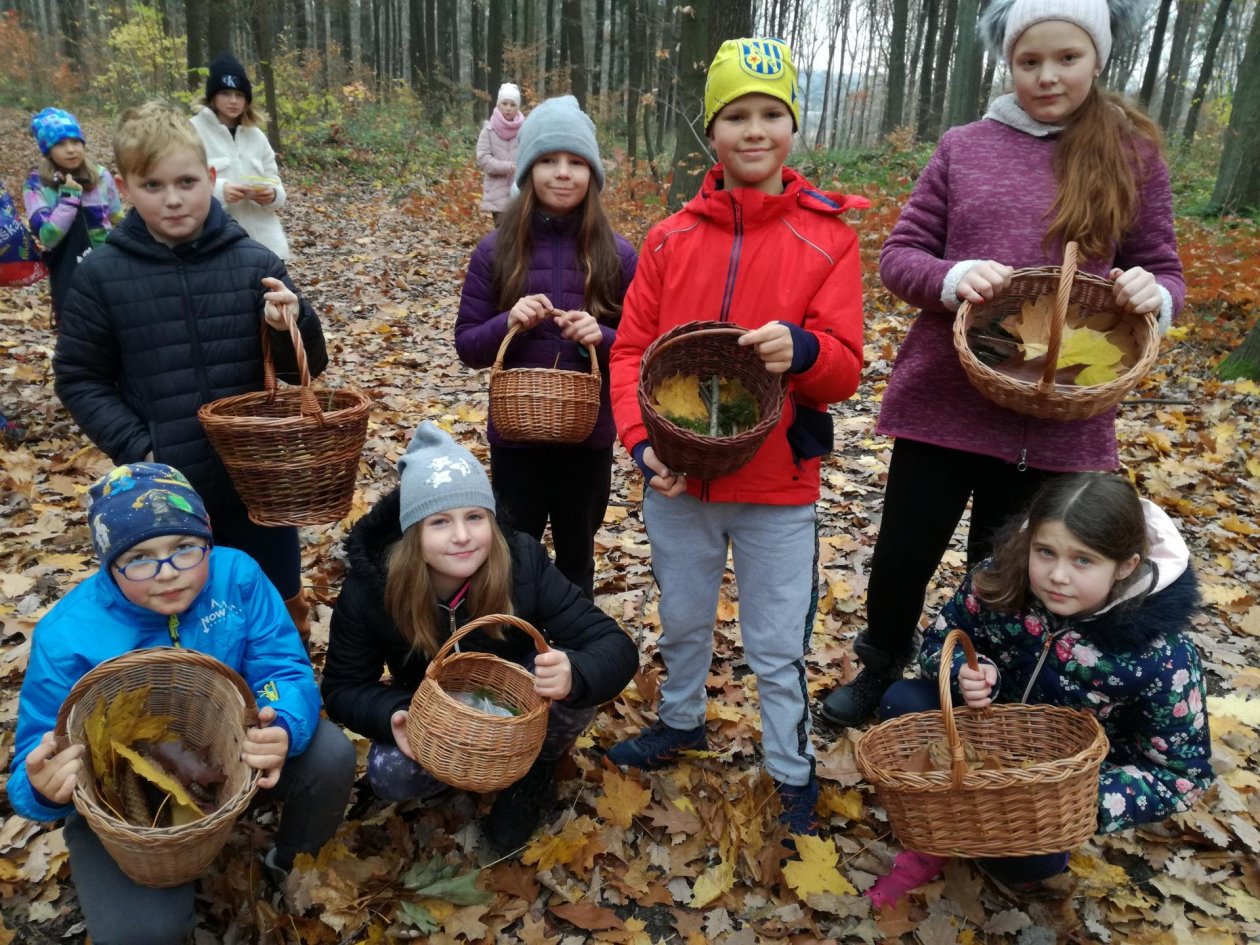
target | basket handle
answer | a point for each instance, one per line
(249, 715)
(515, 329)
(310, 404)
(1059, 321)
(488, 620)
(668, 343)
(958, 764)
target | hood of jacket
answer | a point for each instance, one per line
(367, 546)
(220, 230)
(753, 206)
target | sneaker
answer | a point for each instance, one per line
(519, 808)
(856, 703)
(657, 746)
(273, 873)
(800, 807)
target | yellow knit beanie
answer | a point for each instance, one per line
(744, 66)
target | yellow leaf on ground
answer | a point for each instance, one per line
(1242, 708)
(815, 869)
(714, 882)
(1232, 523)
(623, 799)
(848, 804)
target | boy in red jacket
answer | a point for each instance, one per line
(760, 248)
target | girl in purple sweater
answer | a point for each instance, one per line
(554, 251)
(1058, 159)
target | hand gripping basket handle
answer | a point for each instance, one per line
(489, 620)
(512, 332)
(1057, 324)
(310, 404)
(958, 763)
(736, 330)
(249, 714)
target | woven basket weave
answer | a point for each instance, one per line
(705, 349)
(1043, 798)
(543, 405)
(293, 454)
(212, 707)
(1044, 398)
(462, 746)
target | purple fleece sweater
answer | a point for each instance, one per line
(985, 194)
(554, 271)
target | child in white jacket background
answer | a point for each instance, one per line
(248, 180)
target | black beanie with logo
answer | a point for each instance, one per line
(226, 72)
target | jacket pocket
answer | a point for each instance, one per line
(812, 433)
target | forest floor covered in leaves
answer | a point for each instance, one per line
(689, 854)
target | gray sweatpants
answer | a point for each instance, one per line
(775, 553)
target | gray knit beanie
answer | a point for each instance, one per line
(439, 475)
(557, 124)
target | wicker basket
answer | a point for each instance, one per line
(1042, 800)
(212, 707)
(705, 349)
(292, 454)
(543, 405)
(462, 746)
(1044, 398)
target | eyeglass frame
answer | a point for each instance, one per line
(169, 559)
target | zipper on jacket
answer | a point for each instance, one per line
(1041, 660)
(1022, 464)
(172, 628)
(190, 316)
(732, 267)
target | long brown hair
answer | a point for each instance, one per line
(596, 249)
(411, 598)
(1098, 166)
(1103, 512)
(88, 175)
(252, 117)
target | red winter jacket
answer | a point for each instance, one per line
(750, 258)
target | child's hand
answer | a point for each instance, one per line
(1136, 291)
(983, 281)
(773, 344)
(976, 685)
(54, 773)
(280, 304)
(68, 183)
(266, 747)
(664, 482)
(234, 193)
(264, 196)
(580, 327)
(529, 311)
(398, 725)
(553, 674)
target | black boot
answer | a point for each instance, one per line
(855, 704)
(519, 808)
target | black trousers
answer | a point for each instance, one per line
(567, 485)
(927, 492)
(275, 548)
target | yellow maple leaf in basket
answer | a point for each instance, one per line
(679, 396)
(1085, 346)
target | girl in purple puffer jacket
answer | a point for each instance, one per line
(554, 251)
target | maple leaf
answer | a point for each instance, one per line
(814, 869)
(575, 846)
(433, 879)
(679, 396)
(186, 810)
(622, 800)
(848, 804)
(714, 882)
(123, 719)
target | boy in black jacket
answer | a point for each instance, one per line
(167, 316)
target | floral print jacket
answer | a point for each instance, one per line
(1132, 666)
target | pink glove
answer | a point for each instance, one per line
(910, 870)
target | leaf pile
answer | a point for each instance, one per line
(688, 402)
(145, 773)
(936, 756)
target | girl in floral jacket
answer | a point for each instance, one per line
(1086, 604)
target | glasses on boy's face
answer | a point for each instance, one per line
(146, 569)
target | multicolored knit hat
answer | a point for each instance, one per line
(439, 475)
(139, 501)
(53, 126)
(744, 66)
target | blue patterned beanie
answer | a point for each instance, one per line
(140, 501)
(53, 126)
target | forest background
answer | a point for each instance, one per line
(375, 106)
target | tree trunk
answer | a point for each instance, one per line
(549, 38)
(264, 34)
(828, 80)
(571, 22)
(944, 54)
(1147, 91)
(195, 16)
(1205, 71)
(219, 29)
(964, 90)
(1238, 178)
(495, 26)
(1244, 361)
(923, 113)
(1186, 11)
(597, 57)
(896, 68)
(356, 33)
(634, 81)
(691, 156)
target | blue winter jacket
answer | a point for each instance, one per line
(237, 618)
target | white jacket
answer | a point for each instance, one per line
(236, 160)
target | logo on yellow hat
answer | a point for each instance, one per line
(761, 58)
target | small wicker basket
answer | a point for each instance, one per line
(1044, 398)
(462, 746)
(1043, 798)
(706, 349)
(543, 405)
(293, 460)
(212, 707)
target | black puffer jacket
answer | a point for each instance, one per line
(149, 333)
(364, 638)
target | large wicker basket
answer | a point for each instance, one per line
(705, 349)
(293, 454)
(1044, 398)
(543, 405)
(1042, 799)
(212, 707)
(467, 748)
